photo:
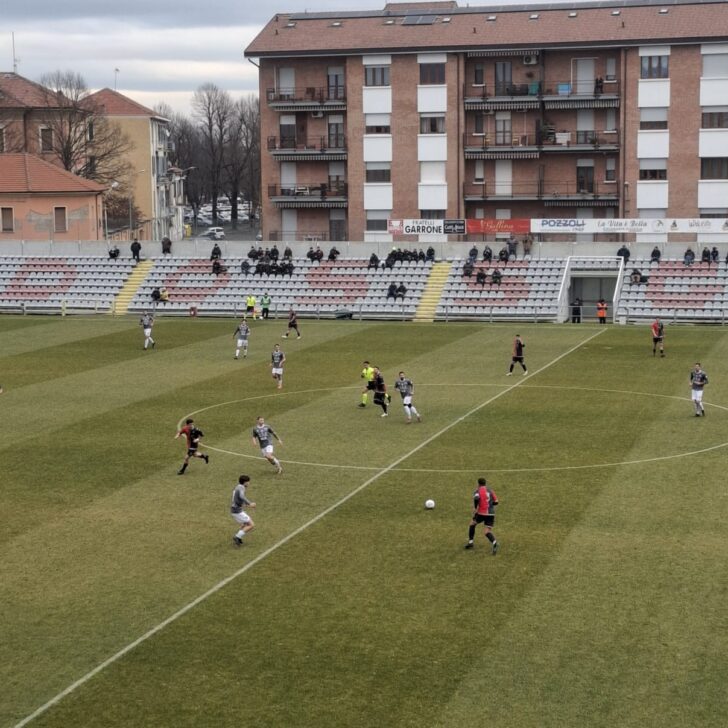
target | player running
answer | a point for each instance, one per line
(292, 324)
(698, 380)
(658, 336)
(484, 501)
(193, 436)
(239, 502)
(242, 333)
(367, 374)
(262, 437)
(146, 322)
(406, 388)
(380, 391)
(277, 360)
(517, 356)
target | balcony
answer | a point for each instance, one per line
(291, 149)
(578, 141)
(552, 194)
(500, 145)
(595, 94)
(323, 194)
(307, 98)
(503, 96)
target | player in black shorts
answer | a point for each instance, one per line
(380, 391)
(484, 502)
(517, 357)
(292, 324)
(193, 436)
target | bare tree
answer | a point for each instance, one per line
(242, 154)
(213, 112)
(83, 138)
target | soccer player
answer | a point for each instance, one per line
(193, 436)
(239, 501)
(146, 322)
(698, 380)
(658, 336)
(367, 374)
(380, 391)
(292, 324)
(242, 333)
(277, 360)
(406, 388)
(484, 501)
(262, 435)
(517, 356)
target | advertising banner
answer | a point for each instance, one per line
(661, 226)
(416, 227)
(454, 227)
(483, 226)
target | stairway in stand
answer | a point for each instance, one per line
(433, 292)
(126, 294)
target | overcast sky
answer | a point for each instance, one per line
(164, 49)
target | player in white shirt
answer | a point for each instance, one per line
(239, 501)
(406, 388)
(146, 322)
(242, 333)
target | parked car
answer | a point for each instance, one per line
(214, 233)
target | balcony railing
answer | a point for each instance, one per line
(498, 139)
(333, 142)
(540, 190)
(530, 88)
(566, 89)
(594, 88)
(307, 236)
(545, 138)
(306, 94)
(322, 190)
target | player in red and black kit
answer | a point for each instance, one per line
(380, 391)
(658, 337)
(517, 356)
(484, 501)
(193, 436)
(292, 324)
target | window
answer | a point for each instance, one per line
(653, 118)
(432, 73)
(46, 140)
(479, 124)
(7, 219)
(92, 165)
(610, 73)
(433, 172)
(287, 130)
(479, 75)
(376, 76)
(652, 170)
(378, 171)
(716, 118)
(433, 214)
(714, 212)
(377, 124)
(715, 65)
(503, 78)
(59, 220)
(610, 120)
(377, 220)
(432, 124)
(655, 67)
(503, 128)
(479, 172)
(714, 168)
(2, 139)
(610, 169)
(90, 131)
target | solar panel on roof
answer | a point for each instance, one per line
(419, 19)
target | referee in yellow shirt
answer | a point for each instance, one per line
(367, 374)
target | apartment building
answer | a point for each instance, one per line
(436, 111)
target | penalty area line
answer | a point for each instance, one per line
(271, 549)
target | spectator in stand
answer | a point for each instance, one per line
(598, 85)
(480, 277)
(166, 246)
(333, 253)
(487, 254)
(245, 267)
(216, 252)
(496, 277)
(163, 295)
(705, 255)
(512, 246)
(287, 253)
(311, 255)
(430, 255)
(253, 253)
(373, 262)
(401, 290)
(624, 253)
(467, 268)
(218, 267)
(392, 291)
(389, 261)
(421, 257)
(527, 243)
(289, 269)
(274, 253)
(655, 255)
(689, 257)
(714, 254)
(156, 294)
(473, 254)
(113, 252)
(503, 255)
(136, 250)
(635, 276)
(318, 254)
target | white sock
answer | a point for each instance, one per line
(414, 411)
(407, 411)
(237, 352)
(240, 534)
(276, 463)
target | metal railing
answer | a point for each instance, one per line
(307, 236)
(486, 140)
(333, 142)
(593, 88)
(487, 91)
(320, 190)
(306, 94)
(540, 189)
(545, 138)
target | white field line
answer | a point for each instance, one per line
(224, 582)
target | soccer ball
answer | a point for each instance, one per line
(429, 504)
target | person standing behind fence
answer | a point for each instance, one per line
(136, 249)
(601, 311)
(576, 311)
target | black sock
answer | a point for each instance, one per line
(183, 468)
(490, 537)
(471, 533)
(511, 368)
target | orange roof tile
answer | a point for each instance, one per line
(26, 173)
(116, 104)
(18, 92)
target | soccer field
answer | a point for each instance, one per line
(124, 603)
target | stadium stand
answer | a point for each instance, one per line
(314, 289)
(54, 284)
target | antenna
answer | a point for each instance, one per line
(116, 75)
(16, 60)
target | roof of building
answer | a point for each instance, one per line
(409, 27)
(116, 104)
(18, 92)
(26, 173)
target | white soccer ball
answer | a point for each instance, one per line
(429, 504)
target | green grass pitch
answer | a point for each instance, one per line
(604, 607)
